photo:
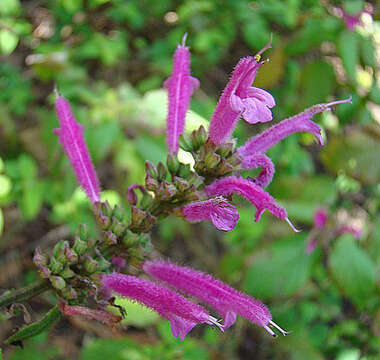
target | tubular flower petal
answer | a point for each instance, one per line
(223, 298)
(222, 214)
(182, 313)
(298, 123)
(70, 134)
(252, 192)
(239, 98)
(180, 86)
(267, 168)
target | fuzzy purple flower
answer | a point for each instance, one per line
(182, 313)
(265, 163)
(180, 86)
(252, 192)
(223, 298)
(297, 123)
(356, 232)
(70, 135)
(222, 214)
(240, 98)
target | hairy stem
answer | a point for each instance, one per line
(22, 294)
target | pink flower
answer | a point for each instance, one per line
(356, 232)
(240, 98)
(297, 123)
(223, 298)
(252, 192)
(182, 313)
(180, 87)
(320, 218)
(267, 168)
(70, 135)
(222, 214)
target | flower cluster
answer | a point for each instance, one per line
(200, 192)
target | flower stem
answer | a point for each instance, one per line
(22, 294)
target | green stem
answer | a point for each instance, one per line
(20, 295)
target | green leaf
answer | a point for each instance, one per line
(8, 41)
(279, 270)
(48, 320)
(352, 269)
(356, 154)
(137, 315)
(348, 50)
(317, 83)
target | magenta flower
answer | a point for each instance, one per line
(356, 232)
(223, 298)
(240, 98)
(320, 218)
(297, 123)
(70, 134)
(267, 168)
(182, 313)
(180, 87)
(252, 192)
(222, 214)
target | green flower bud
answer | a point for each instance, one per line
(162, 171)
(71, 255)
(39, 257)
(211, 160)
(83, 232)
(55, 266)
(117, 227)
(58, 248)
(151, 169)
(57, 282)
(67, 273)
(90, 265)
(224, 167)
(103, 264)
(146, 201)
(184, 170)
(109, 238)
(185, 144)
(69, 293)
(172, 163)
(130, 239)
(119, 213)
(150, 183)
(181, 184)
(80, 246)
(225, 150)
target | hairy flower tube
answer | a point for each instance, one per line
(227, 301)
(70, 134)
(222, 214)
(255, 194)
(182, 313)
(240, 98)
(180, 86)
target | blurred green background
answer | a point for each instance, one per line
(110, 58)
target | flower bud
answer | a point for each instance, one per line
(161, 170)
(71, 255)
(103, 264)
(83, 232)
(39, 257)
(146, 201)
(130, 239)
(225, 150)
(69, 293)
(90, 265)
(181, 184)
(211, 160)
(151, 169)
(67, 273)
(172, 163)
(184, 170)
(105, 208)
(57, 282)
(224, 167)
(117, 227)
(55, 266)
(80, 246)
(103, 221)
(150, 183)
(185, 144)
(109, 238)
(195, 180)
